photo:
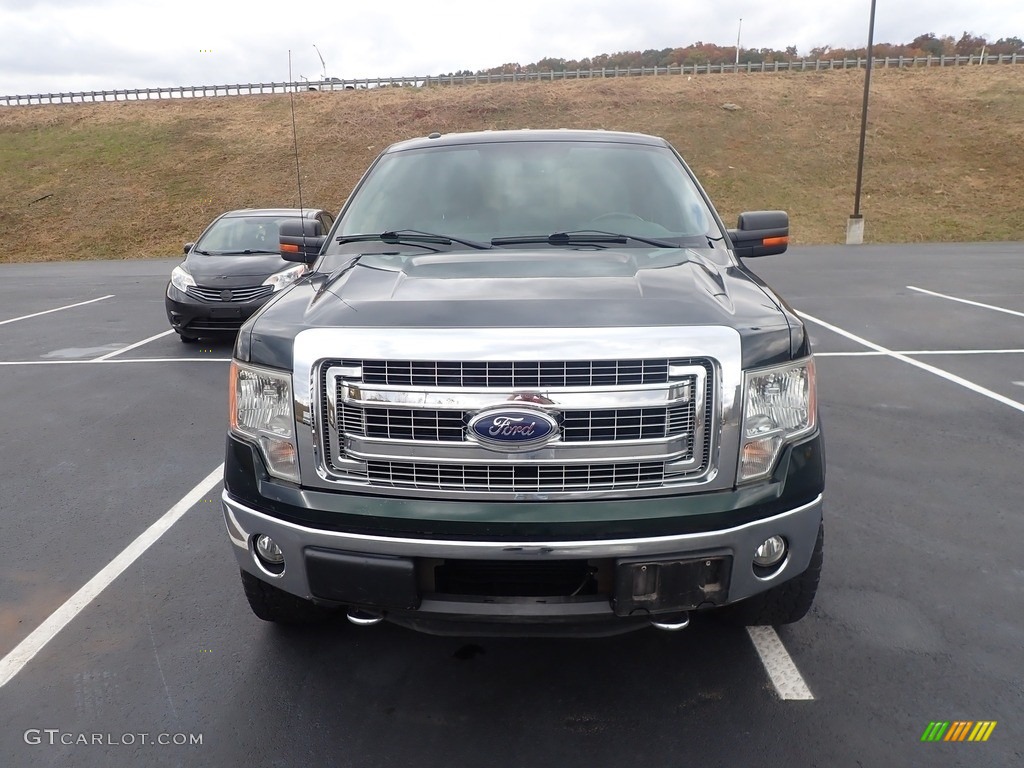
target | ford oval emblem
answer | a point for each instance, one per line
(513, 429)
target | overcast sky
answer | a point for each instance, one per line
(75, 45)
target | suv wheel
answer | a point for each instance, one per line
(783, 604)
(272, 604)
(187, 339)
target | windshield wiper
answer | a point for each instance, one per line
(412, 236)
(582, 237)
(246, 251)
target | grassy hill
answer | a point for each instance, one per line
(944, 160)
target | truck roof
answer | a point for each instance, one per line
(525, 134)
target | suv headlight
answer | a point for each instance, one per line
(286, 277)
(260, 409)
(181, 279)
(779, 404)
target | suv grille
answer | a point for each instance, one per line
(233, 294)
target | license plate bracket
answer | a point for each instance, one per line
(667, 585)
(226, 313)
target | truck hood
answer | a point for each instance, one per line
(631, 287)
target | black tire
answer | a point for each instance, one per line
(784, 604)
(275, 605)
(187, 339)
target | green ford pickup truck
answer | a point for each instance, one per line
(527, 387)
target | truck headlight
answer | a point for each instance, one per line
(284, 278)
(260, 409)
(779, 405)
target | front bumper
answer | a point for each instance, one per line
(192, 317)
(375, 555)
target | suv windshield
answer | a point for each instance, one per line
(518, 189)
(234, 235)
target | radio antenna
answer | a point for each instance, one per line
(295, 134)
(295, 143)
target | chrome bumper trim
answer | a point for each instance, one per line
(799, 526)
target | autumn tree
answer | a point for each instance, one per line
(968, 44)
(701, 54)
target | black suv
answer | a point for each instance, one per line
(233, 268)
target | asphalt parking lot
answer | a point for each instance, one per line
(123, 624)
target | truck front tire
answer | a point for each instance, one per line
(275, 605)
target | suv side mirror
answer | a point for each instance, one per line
(188, 247)
(301, 241)
(760, 233)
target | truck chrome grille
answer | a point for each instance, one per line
(626, 425)
(544, 373)
(515, 478)
(407, 424)
(577, 426)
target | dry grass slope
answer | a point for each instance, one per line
(945, 152)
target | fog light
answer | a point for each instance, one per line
(771, 551)
(268, 550)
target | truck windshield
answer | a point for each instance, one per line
(519, 189)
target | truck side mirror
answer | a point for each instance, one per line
(760, 233)
(301, 241)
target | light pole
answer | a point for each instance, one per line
(855, 224)
(738, 32)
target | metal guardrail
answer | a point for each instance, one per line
(337, 84)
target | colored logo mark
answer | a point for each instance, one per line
(958, 730)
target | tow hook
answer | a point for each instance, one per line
(364, 618)
(672, 622)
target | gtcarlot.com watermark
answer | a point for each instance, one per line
(55, 737)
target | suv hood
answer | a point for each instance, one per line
(233, 270)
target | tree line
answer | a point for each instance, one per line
(701, 53)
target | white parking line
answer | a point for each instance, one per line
(110, 362)
(968, 301)
(23, 653)
(58, 309)
(786, 678)
(130, 347)
(967, 384)
(887, 353)
(924, 352)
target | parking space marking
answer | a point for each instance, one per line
(968, 301)
(57, 309)
(25, 651)
(130, 347)
(924, 352)
(110, 362)
(786, 678)
(966, 383)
